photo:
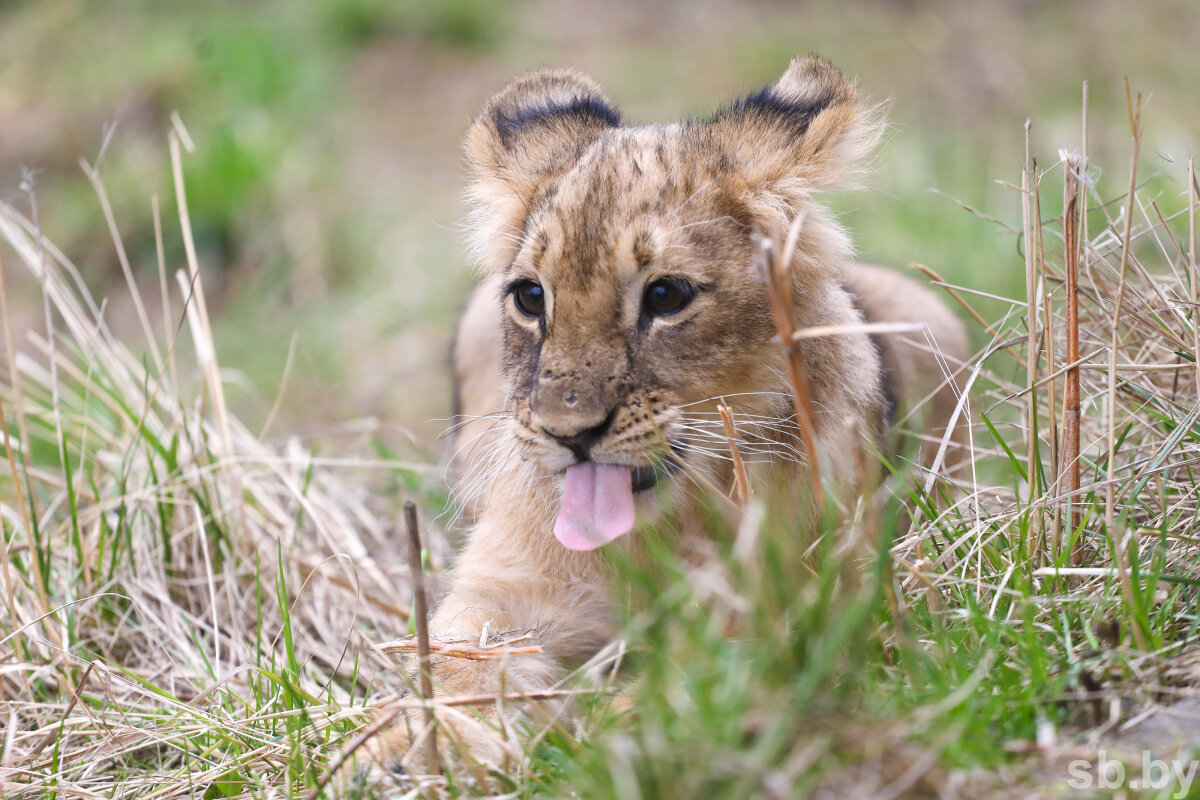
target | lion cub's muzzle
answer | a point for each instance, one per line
(634, 430)
(580, 444)
(605, 461)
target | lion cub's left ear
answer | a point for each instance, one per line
(803, 134)
(527, 135)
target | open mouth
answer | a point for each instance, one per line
(644, 479)
(597, 502)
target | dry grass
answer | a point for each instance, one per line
(189, 610)
(183, 602)
(1105, 414)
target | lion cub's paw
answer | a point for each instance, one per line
(472, 739)
(467, 742)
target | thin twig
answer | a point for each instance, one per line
(421, 618)
(492, 698)
(449, 650)
(364, 736)
(54, 734)
(1070, 454)
(821, 331)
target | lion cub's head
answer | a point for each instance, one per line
(630, 304)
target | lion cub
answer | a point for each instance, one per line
(619, 307)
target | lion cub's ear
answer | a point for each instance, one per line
(526, 135)
(803, 134)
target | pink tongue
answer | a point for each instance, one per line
(597, 505)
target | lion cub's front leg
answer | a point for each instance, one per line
(514, 582)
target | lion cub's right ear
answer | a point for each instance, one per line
(528, 134)
(804, 134)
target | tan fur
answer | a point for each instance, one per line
(925, 367)
(595, 213)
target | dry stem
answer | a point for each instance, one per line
(1070, 453)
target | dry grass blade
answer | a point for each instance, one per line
(776, 272)
(1118, 541)
(1031, 344)
(94, 178)
(53, 734)
(1193, 195)
(206, 349)
(741, 483)
(164, 285)
(938, 280)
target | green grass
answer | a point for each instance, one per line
(193, 614)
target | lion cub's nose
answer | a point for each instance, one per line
(579, 441)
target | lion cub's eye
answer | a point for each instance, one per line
(667, 296)
(530, 298)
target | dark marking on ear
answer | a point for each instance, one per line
(770, 103)
(580, 108)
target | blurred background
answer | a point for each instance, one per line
(324, 186)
